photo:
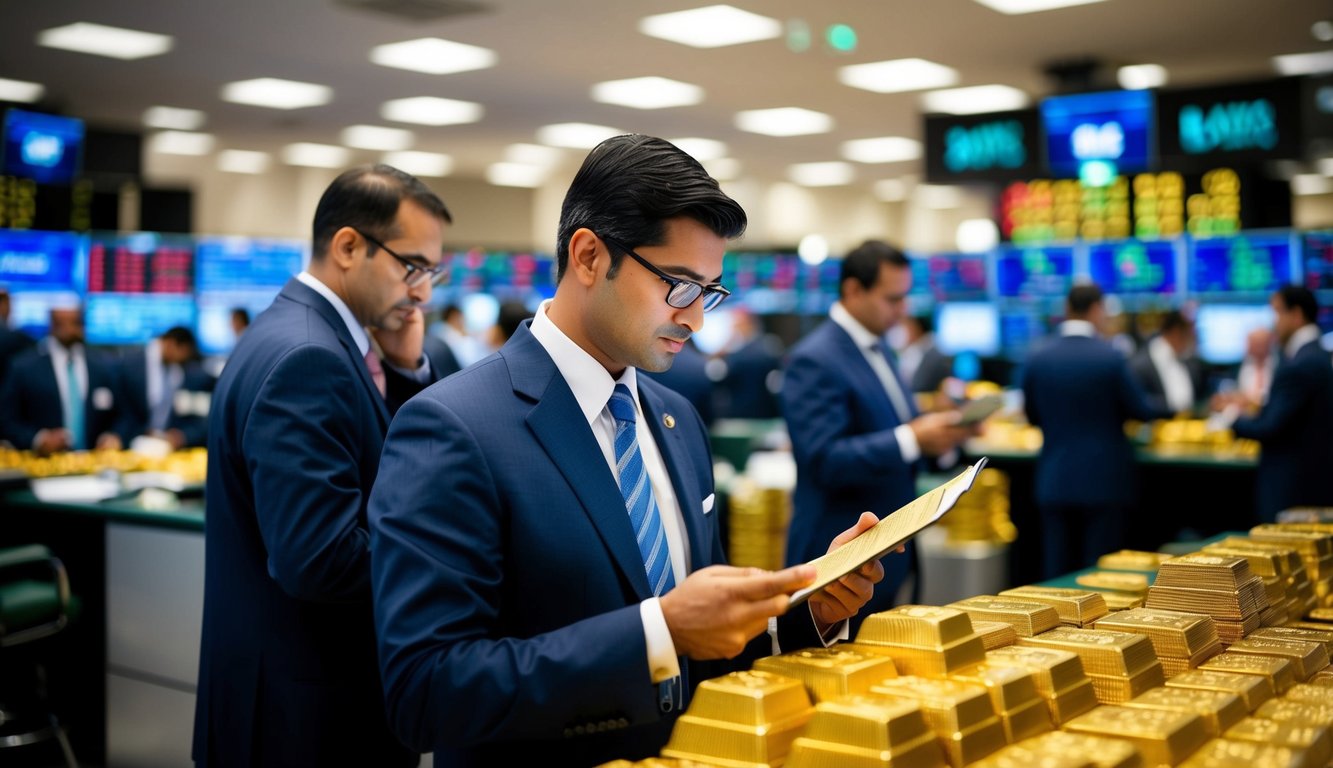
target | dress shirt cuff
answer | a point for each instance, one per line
(907, 444)
(835, 634)
(420, 374)
(662, 662)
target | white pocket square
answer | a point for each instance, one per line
(708, 503)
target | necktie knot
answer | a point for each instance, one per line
(622, 405)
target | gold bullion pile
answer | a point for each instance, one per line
(1215, 658)
(190, 464)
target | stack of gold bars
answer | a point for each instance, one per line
(1027, 617)
(982, 514)
(1298, 579)
(1276, 567)
(1075, 607)
(1013, 693)
(1165, 737)
(1222, 587)
(1252, 690)
(1182, 641)
(757, 525)
(923, 640)
(1314, 542)
(995, 634)
(867, 731)
(961, 715)
(748, 718)
(1058, 676)
(1121, 665)
(829, 673)
(1218, 709)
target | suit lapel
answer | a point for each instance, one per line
(671, 444)
(863, 377)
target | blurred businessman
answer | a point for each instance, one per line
(165, 392)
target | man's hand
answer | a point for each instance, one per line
(843, 598)
(717, 610)
(939, 433)
(402, 348)
(48, 441)
(109, 441)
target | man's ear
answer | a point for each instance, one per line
(586, 252)
(346, 247)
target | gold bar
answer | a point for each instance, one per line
(919, 626)
(1122, 601)
(961, 714)
(750, 698)
(1204, 571)
(1277, 671)
(1026, 721)
(1324, 638)
(1315, 740)
(1077, 607)
(924, 752)
(1053, 670)
(1009, 687)
(1311, 544)
(1104, 752)
(1321, 614)
(1071, 702)
(1173, 633)
(1302, 712)
(882, 723)
(1311, 694)
(830, 672)
(1118, 689)
(1164, 737)
(1253, 690)
(1306, 658)
(1222, 753)
(995, 634)
(1027, 617)
(1263, 562)
(1234, 605)
(1219, 710)
(926, 662)
(719, 742)
(1289, 553)
(1132, 560)
(1104, 652)
(1015, 756)
(1116, 581)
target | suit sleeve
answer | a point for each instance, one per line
(438, 569)
(399, 388)
(1134, 403)
(301, 441)
(815, 405)
(1291, 390)
(15, 426)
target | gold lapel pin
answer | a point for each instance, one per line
(669, 421)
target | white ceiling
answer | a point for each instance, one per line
(550, 53)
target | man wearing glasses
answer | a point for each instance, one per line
(288, 673)
(548, 580)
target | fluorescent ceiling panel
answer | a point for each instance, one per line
(377, 137)
(1311, 184)
(712, 26)
(1013, 7)
(784, 121)
(315, 155)
(515, 175)
(974, 100)
(533, 154)
(1304, 63)
(242, 161)
(20, 91)
(181, 143)
(702, 150)
(898, 75)
(885, 149)
(431, 110)
(891, 190)
(575, 135)
(647, 93)
(830, 174)
(276, 93)
(174, 118)
(431, 164)
(938, 197)
(101, 40)
(1140, 77)
(433, 56)
(723, 168)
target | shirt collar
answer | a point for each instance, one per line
(353, 327)
(1303, 335)
(863, 337)
(1078, 328)
(590, 382)
(1162, 352)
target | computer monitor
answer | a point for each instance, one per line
(966, 326)
(1246, 267)
(1222, 329)
(240, 272)
(41, 270)
(45, 148)
(957, 276)
(1113, 127)
(139, 285)
(1040, 272)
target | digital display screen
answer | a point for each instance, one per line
(239, 272)
(1222, 329)
(778, 282)
(1134, 268)
(1114, 127)
(1020, 330)
(139, 285)
(44, 148)
(1317, 254)
(41, 270)
(521, 276)
(1251, 265)
(1249, 122)
(968, 327)
(957, 276)
(1034, 272)
(993, 147)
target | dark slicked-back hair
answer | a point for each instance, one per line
(627, 189)
(1299, 297)
(367, 198)
(1082, 298)
(862, 263)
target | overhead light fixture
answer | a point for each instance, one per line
(377, 137)
(938, 196)
(515, 175)
(784, 121)
(1311, 184)
(315, 155)
(433, 56)
(647, 93)
(886, 149)
(1315, 63)
(723, 168)
(831, 174)
(20, 91)
(898, 75)
(1014, 7)
(974, 100)
(702, 150)
(101, 40)
(174, 118)
(276, 93)
(1322, 30)
(431, 110)
(1141, 77)
(712, 26)
(575, 135)
(181, 143)
(533, 154)
(1325, 166)
(891, 190)
(813, 249)
(976, 235)
(431, 164)
(242, 161)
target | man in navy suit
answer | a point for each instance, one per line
(12, 340)
(165, 392)
(547, 571)
(855, 430)
(1078, 389)
(1166, 370)
(1295, 424)
(59, 396)
(288, 673)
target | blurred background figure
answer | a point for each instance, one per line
(240, 320)
(165, 391)
(1166, 369)
(922, 364)
(752, 378)
(1256, 370)
(512, 313)
(453, 331)
(12, 340)
(688, 376)
(59, 396)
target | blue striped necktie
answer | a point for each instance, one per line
(638, 493)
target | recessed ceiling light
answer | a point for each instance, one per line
(377, 137)
(702, 150)
(647, 93)
(533, 154)
(101, 40)
(276, 93)
(431, 164)
(181, 143)
(1322, 30)
(813, 249)
(433, 56)
(830, 174)
(938, 197)
(1140, 77)
(242, 161)
(886, 149)
(575, 135)
(174, 118)
(974, 100)
(898, 75)
(431, 110)
(976, 235)
(1325, 166)
(20, 91)
(1311, 184)
(723, 168)
(315, 155)
(1315, 63)
(891, 190)
(712, 26)
(784, 121)
(515, 175)
(1013, 7)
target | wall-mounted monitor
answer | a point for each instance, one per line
(139, 285)
(239, 272)
(41, 147)
(41, 270)
(1317, 255)
(1242, 123)
(999, 146)
(1114, 127)
(957, 276)
(1141, 272)
(1222, 329)
(968, 326)
(1248, 266)
(1034, 271)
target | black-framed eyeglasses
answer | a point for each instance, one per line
(682, 292)
(416, 274)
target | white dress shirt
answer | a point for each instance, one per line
(421, 373)
(159, 378)
(868, 343)
(1078, 328)
(1303, 335)
(1176, 384)
(60, 357)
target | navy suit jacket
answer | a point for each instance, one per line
(1149, 379)
(841, 423)
(746, 386)
(134, 410)
(1080, 392)
(288, 673)
(32, 398)
(1296, 430)
(688, 376)
(507, 578)
(13, 342)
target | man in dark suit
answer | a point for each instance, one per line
(1078, 389)
(288, 673)
(12, 340)
(855, 430)
(922, 363)
(165, 392)
(59, 396)
(1295, 425)
(1165, 368)
(547, 569)
(753, 371)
